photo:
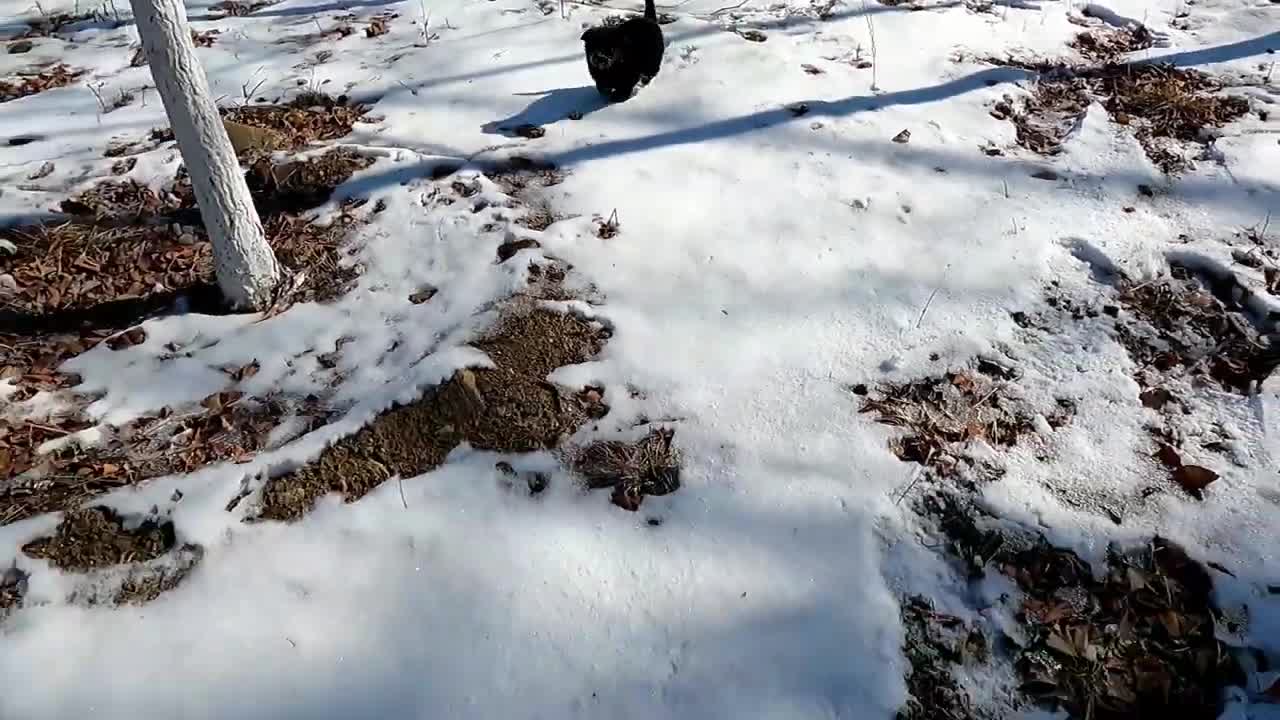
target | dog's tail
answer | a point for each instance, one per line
(650, 11)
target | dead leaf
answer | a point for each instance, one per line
(1061, 644)
(1168, 456)
(812, 69)
(902, 137)
(246, 138)
(1194, 479)
(1155, 398)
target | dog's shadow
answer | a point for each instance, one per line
(552, 106)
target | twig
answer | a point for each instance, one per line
(875, 60)
(927, 303)
(48, 428)
(726, 8)
(915, 478)
(400, 481)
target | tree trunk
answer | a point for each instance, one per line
(247, 271)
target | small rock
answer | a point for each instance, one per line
(422, 295)
(815, 125)
(45, 171)
(753, 35)
(1111, 310)
(508, 249)
(575, 115)
(860, 389)
(992, 151)
(20, 47)
(812, 69)
(537, 482)
(1129, 209)
(1146, 191)
(903, 137)
(798, 109)
(1045, 174)
(529, 131)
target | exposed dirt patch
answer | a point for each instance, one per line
(935, 644)
(152, 580)
(518, 175)
(59, 75)
(96, 538)
(299, 185)
(97, 274)
(119, 267)
(1111, 44)
(941, 415)
(1139, 642)
(539, 215)
(1047, 116)
(238, 9)
(511, 408)
(1178, 327)
(124, 201)
(311, 117)
(48, 25)
(1163, 105)
(648, 466)
(225, 427)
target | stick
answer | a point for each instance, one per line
(927, 303)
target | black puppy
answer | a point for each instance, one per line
(623, 55)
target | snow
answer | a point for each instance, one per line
(765, 262)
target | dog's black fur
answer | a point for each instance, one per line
(621, 56)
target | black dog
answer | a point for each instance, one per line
(621, 56)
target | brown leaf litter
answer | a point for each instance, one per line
(57, 76)
(648, 466)
(238, 9)
(1180, 327)
(48, 25)
(1111, 44)
(294, 186)
(309, 118)
(1164, 105)
(511, 408)
(225, 427)
(1138, 642)
(942, 414)
(95, 539)
(934, 644)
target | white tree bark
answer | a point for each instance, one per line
(246, 267)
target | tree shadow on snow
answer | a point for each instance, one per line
(552, 107)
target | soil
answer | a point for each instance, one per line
(95, 538)
(510, 408)
(309, 118)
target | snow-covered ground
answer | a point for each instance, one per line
(767, 260)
